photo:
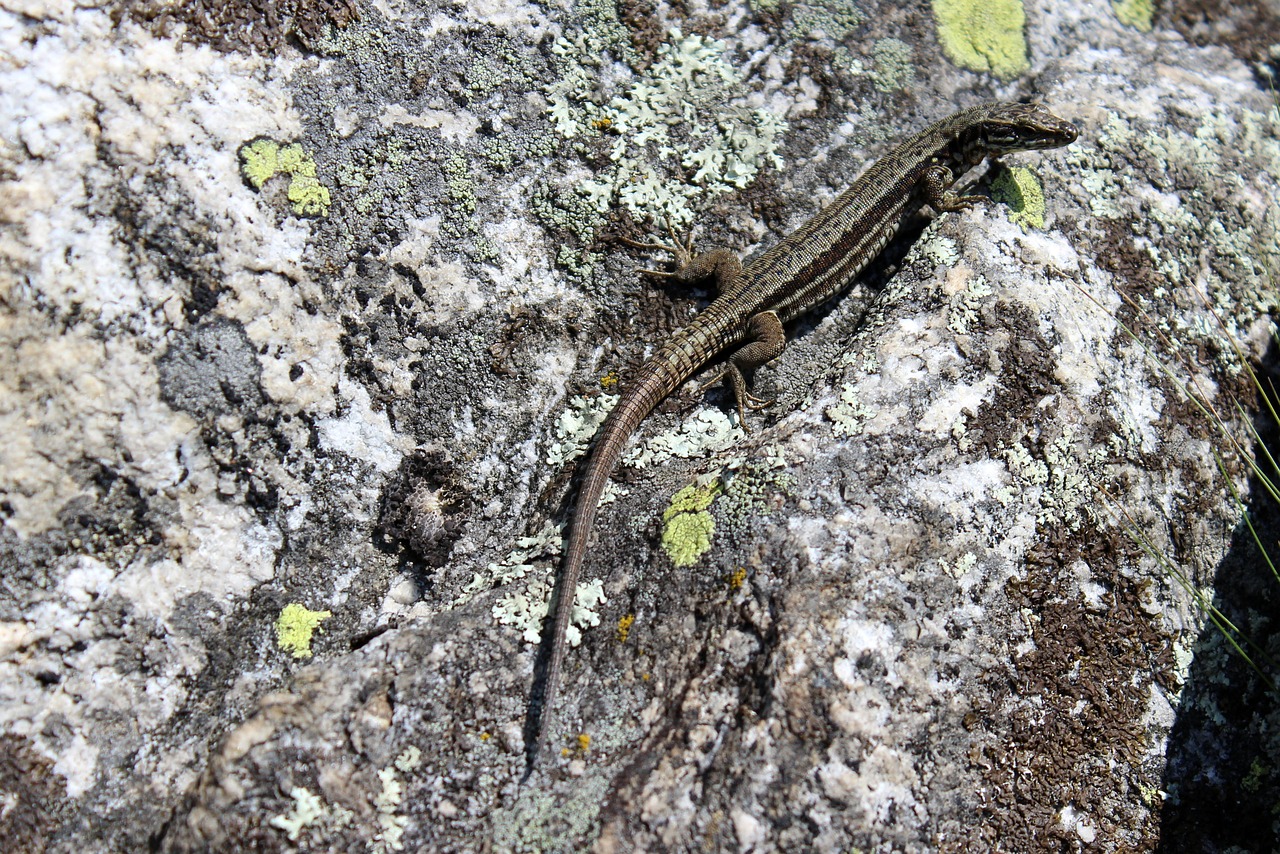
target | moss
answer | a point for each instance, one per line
(294, 628)
(687, 526)
(1138, 14)
(1021, 190)
(983, 35)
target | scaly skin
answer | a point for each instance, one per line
(814, 263)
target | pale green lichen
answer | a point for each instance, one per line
(462, 196)
(262, 159)
(835, 19)
(707, 430)
(758, 488)
(310, 811)
(539, 819)
(307, 810)
(850, 414)
(518, 562)
(962, 567)
(294, 628)
(1139, 14)
(576, 425)
(527, 609)
(687, 526)
(391, 825)
(680, 133)
(1020, 189)
(893, 69)
(1065, 479)
(983, 35)
(963, 307)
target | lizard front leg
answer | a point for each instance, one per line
(719, 265)
(766, 342)
(937, 182)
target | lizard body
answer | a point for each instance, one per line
(806, 268)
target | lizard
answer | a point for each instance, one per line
(811, 265)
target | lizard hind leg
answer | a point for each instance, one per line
(765, 344)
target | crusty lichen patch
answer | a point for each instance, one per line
(687, 527)
(1020, 189)
(262, 159)
(983, 35)
(676, 134)
(295, 627)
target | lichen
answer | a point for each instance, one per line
(1139, 14)
(307, 810)
(687, 526)
(759, 487)
(462, 196)
(576, 425)
(518, 563)
(704, 431)
(527, 609)
(1020, 189)
(295, 626)
(262, 159)
(893, 69)
(963, 307)
(983, 35)
(310, 812)
(835, 19)
(1065, 479)
(849, 414)
(541, 820)
(677, 135)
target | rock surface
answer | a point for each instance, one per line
(309, 310)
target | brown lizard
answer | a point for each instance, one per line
(817, 261)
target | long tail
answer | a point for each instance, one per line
(660, 376)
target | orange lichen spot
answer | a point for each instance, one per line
(739, 576)
(609, 381)
(584, 742)
(624, 627)
(644, 677)
(602, 123)
(484, 736)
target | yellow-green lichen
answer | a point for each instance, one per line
(1020, 189)
(295, 626)
(259, 161)
(983, 35)
(687, 527)
(1138, 14)
(262, 159)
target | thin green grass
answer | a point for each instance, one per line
(1260, 463)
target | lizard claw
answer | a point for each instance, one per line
(681, 251)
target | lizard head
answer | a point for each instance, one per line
(1024, 127)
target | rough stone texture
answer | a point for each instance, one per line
(940, 609)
